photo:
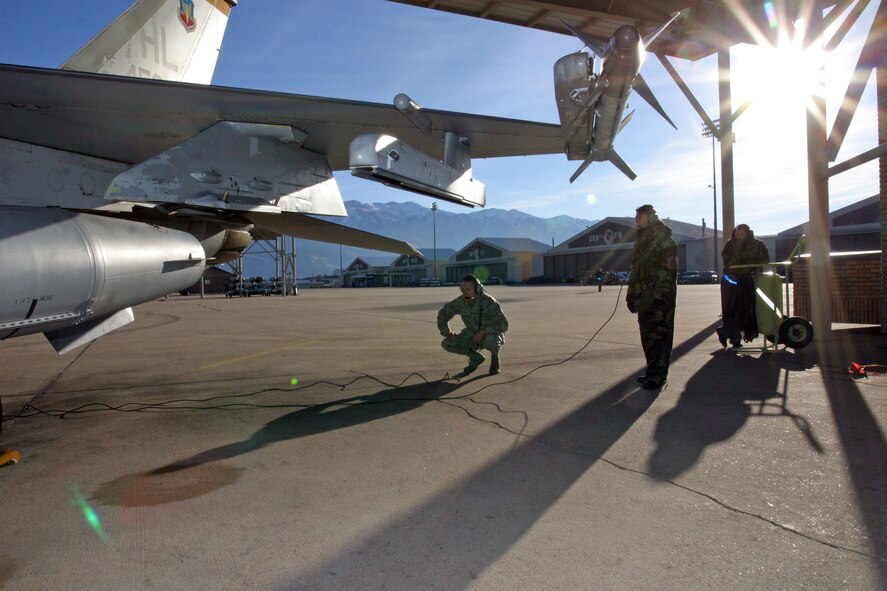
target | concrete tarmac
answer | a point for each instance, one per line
(310, 442)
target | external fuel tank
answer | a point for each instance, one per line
(64, 269)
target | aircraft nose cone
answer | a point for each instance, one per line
(627, 37)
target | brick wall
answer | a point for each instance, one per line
(854, 287)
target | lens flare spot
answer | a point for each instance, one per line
(89, 514)
(770, 12)
(591, 198)
(294, 381)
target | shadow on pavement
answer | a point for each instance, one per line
(861, 437)
(716, 403)
(454, 536)
(201, 474)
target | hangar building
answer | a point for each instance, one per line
(609, 245)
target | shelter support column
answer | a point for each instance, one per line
(817, 188)
(726, 141)
(881, 81)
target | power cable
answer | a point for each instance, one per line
(31, 411)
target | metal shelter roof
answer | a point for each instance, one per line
(704, 28)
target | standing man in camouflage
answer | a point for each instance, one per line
(652, 291)
(485, 325)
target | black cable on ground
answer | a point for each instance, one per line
(30, 411)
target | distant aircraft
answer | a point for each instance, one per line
(122, 175)
(590, 104)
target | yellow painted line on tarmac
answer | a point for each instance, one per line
(259, 354)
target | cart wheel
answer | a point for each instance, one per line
(796, 332)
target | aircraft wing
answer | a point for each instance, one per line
(310, 228)
(131, 120)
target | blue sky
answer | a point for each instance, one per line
(372, 49)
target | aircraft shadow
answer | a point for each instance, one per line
(717, 401)
(320, 418)
(204, 472)
(451, 538)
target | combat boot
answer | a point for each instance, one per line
(474, 361)
(494, 363)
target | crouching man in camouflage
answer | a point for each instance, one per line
(485, 325)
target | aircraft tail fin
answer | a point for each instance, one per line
(175, 40)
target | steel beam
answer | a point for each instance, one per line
(817, 187)
(878, 152)
(726, 137)
(868, 59)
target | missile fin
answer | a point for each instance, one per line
(640, 86)
(593, 44)
(624, 122)
(619, 163)
(591, 158)
(652, 36)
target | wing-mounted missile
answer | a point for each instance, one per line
(386, 159)
(237, 167)
(591, 104)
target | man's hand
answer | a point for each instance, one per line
(479, 336)
(631, 305)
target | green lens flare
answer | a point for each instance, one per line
(294, 381)
(89, 514)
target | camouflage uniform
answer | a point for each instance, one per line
(481, 312)
(738, 295)
(652, 292)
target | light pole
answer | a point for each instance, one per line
(434, 230)
(706, 132)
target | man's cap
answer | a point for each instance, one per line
(647, 209)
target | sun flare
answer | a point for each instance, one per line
(787, 72)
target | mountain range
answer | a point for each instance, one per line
(415, 223)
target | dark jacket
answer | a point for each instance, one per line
(654, 269)
(750, 251)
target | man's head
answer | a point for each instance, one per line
(469, 287)
(741, 232)
(645, 216)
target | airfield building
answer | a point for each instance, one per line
(609, 245)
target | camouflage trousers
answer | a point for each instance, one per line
(657, 335)
(464, 345)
